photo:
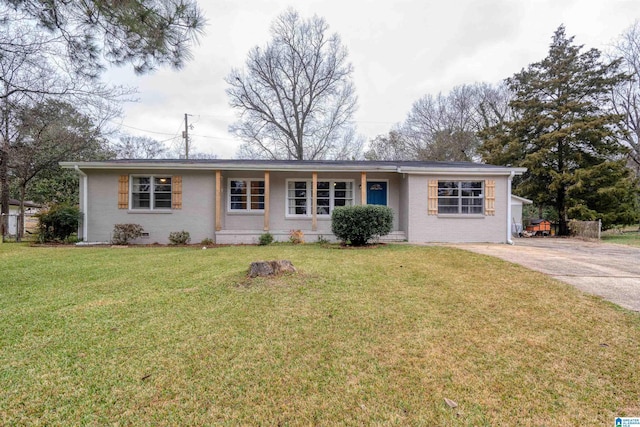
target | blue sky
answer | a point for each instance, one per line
(400, 49)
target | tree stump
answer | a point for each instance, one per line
(270, 268)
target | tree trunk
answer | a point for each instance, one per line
(563, 229)
(4, 191)
(20, 222)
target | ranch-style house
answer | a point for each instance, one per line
(235, 201)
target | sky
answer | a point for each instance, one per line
(401, 50)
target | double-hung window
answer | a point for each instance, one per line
(329, 195)
(460, 197)
(151, 192)
(246, 195)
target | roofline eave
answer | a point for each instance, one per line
(261, 166)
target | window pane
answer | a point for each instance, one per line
(257, 187)
(237, 195)
(238, 187)
(343, 193)
(141, 200)
(141, 192)
(162, 201)
(162, 192)
(257, 202)
(297, 198)
(257, 195)
(447, 188)
(238, 202)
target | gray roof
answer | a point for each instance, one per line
(295, 165)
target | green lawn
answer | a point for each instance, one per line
(179, 336)
(629, 236)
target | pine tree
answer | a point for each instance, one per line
(565, 134)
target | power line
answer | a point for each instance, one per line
(143, 130)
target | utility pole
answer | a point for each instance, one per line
(185, 135)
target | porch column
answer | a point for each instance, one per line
(363, 188)
(218, 200)
(266, 200)
(314, 201)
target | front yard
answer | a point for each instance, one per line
(168, 336)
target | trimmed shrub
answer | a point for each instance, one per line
(207, 242)
(58, 223)
(124, 233)
(265, 239)
(179, 237)
(358, 224)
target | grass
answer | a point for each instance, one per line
(166, 336)
(627, 236)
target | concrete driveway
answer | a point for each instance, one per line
(607, 270)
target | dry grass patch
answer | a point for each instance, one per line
(168, 336)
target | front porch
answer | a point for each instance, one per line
(250, 204)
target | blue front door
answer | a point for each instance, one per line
(377, 193)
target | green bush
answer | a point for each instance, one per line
(207, 242)
(358, 224)
(179, 237)
(321, 240)
(124, 233)
(265, 239)
(58, 223)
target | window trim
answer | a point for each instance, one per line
(309, 197)
(460, 197)
(248, 209)
(152, 194)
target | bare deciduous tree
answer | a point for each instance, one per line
(296, 96)
(388, 147)
(138, 147)
(626, 96)
(445, 127)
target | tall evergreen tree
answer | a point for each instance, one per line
(565, 135)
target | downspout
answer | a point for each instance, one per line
(84, 202)
(509, 224)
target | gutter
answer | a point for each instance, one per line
(248, 166)
(509, 224)
(296, 167)
(84, 201)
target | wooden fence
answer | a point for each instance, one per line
(586, 229)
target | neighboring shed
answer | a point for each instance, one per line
(517, 204)
(30, 221)
(539, 227)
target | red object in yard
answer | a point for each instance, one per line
(539, 227)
